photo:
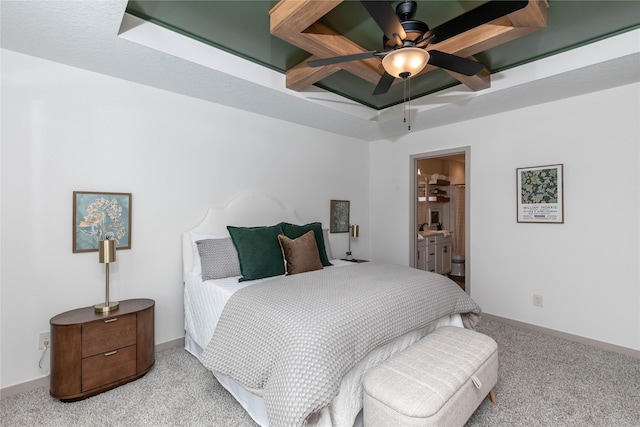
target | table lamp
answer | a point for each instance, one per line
(354, 232)
(106, 255)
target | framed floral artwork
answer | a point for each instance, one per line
(541, 194)
(339, 222)
(100, 216)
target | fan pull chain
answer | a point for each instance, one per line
(409, 105)
(406, 100)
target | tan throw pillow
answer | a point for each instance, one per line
(300, 254)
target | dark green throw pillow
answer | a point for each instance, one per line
(293, 231)
(259, 251)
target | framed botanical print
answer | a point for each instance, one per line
(339, 216)
(100, 216)
(540, 194)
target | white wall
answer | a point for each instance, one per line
(587, 269)
(65, 129)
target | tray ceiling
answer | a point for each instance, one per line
(242, 28)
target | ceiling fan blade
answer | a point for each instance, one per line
(382, 12)
(384, 84)
(343, 58)
(482, 14)
(454, 63)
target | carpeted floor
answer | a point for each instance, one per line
(542, 381)
(549, 381)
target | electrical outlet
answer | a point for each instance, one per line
(537, 300)
(44, 340)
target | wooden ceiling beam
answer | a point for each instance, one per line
(291, 17)
(479, 81)
(327, 43)
(301, 76)
(296, 22)
(497, 32)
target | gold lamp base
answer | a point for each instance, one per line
(106, 307)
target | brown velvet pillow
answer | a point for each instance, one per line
(300, 254)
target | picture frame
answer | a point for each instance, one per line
(540, 194)
(339, 216)
(434, 216)
(99, 216)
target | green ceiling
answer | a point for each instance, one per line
(242, 28)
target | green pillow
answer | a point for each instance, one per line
(259, 251)
(293, 231)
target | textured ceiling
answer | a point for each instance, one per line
(242, 28)
(100, 37)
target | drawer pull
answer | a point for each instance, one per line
(115, 319)
(111, 353)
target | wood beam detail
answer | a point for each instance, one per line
(296, 22)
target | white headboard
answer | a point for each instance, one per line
(246, 210)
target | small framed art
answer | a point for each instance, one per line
(434, 216)
(541, 194)
(99, 216)
(339, 215)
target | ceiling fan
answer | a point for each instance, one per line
(406, 40)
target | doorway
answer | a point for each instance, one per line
(442, 206)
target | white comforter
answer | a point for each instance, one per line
(294, 338)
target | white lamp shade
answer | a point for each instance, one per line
(405, 60)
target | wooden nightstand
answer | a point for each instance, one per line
(94, 352)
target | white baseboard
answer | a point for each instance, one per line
(24, 387)
(44, 381)
(178, 342)
(570, 337)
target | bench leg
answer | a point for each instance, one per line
(492, 396)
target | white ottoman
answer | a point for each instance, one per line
(438, 381)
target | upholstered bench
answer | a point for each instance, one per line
(438, 381)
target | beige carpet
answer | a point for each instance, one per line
(542, 381)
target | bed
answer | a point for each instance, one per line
(293, 349)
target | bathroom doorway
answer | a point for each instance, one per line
(440, 190)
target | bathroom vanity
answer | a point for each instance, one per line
(434, 251)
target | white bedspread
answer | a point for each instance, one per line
(204, 301)
(294, 338)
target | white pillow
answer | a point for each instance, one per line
(197, 267)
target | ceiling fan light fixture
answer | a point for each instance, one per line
(409, 60)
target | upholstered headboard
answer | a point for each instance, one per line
(246, 210)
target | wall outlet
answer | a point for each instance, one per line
(537, 300)
(44, 340)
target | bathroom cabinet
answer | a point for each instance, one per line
(426, 254)
(434, 253)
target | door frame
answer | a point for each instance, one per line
(413, 206)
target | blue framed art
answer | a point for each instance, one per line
(99, 216)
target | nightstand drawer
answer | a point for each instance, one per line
(109, 367)
(109, 334)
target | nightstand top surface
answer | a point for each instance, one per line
(88, 314)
